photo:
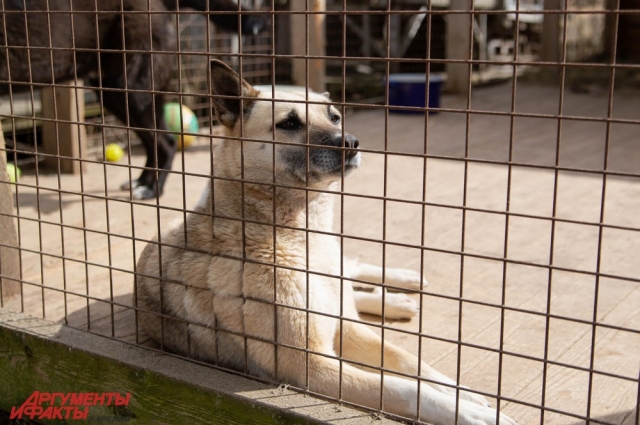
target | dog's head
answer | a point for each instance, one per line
(311, 145)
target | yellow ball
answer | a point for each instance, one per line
(113, 152)
(14, 172)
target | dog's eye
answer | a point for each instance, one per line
(335, 118)
(290, 124)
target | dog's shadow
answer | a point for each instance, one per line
(47, 202)
(111, 318)
(377, 320)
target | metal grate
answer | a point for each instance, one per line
(514, 191)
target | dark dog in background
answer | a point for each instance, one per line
(89, 44)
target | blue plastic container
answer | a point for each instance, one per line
(410, 90)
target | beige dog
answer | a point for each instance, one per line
(252, 281)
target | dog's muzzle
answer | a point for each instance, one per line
(342, 154)
(330, 156)
(350, 143)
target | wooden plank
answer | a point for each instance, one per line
(36, 355)
(616, 352)
(316, 31)
(9, 257)
(66, 140)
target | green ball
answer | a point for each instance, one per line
(14, 172)
(189, 123)
(113, 152)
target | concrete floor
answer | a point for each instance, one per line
(427, 222)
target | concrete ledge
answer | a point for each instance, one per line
(37, 355)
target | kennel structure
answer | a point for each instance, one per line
(516, 198)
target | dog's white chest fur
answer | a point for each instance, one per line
(273, 281)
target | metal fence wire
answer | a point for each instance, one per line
(498, 142)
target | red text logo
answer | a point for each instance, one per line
(69, 405)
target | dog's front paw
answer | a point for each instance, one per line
(405, 278)
(396, 305)
(399, 306)
(141, 193)
(128, 185)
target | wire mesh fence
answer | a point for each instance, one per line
(491, 229)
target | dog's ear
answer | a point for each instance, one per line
(227, 87)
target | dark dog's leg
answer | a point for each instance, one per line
(139, 106)
(157, 145)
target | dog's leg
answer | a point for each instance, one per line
(362, 344)
(396, 305)
(400, 396)
(141, 115)
(327, 375)
(401, 278)
(339, 379)
(140, 73)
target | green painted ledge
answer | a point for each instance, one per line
(37, 355)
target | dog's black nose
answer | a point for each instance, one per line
(351, 142)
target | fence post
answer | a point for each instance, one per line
(317, 43)
(457, 46)
(551, 49)
(64, 141)
(9, 256)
